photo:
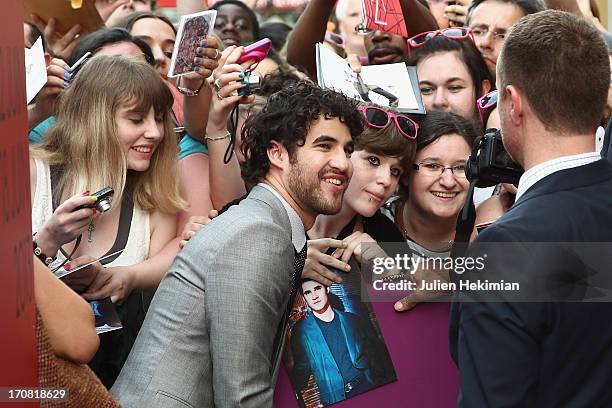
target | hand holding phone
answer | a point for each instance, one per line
(256, 51)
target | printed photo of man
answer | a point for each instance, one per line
(332, 345)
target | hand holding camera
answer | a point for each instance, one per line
(228, 80)
(69, 220)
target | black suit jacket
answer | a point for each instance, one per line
(544, 354)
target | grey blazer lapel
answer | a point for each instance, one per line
(282, 218)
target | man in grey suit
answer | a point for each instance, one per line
(214, 332)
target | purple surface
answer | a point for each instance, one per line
(418, 344)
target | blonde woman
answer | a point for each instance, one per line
(113, 129)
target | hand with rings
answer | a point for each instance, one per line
(206, 59)
(227, 83)
(217, 86)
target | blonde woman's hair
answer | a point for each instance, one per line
(84, 142)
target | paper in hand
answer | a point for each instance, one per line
(192, 29)
(63, 272)
(333, 72)
(36, 69)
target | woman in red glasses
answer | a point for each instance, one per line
(452, 73)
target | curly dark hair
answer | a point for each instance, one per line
(286, 118)
(277, 81)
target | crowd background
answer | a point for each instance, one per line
(172, 150)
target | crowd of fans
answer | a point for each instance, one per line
(179, 151)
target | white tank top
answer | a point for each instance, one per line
(137, 246)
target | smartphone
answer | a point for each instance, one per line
(256, 51)
(102, 202)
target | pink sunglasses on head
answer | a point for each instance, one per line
(379, 118)
(454, 33)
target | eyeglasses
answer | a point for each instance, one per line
(454, 33)
(437, 170)
(481, 31)
(379, 119)
(486, 104)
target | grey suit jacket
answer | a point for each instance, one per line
(208, 336)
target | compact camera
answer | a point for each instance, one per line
(252, 82)
(103, 200)
(490, 164)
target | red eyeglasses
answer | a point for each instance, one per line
(379, 118)
(454, 33)
(486, 104)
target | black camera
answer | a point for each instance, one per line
(490, 164)
(252, 82)
(103, 200)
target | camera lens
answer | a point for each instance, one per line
(103, 205)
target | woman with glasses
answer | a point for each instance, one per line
(435, 191)
(452, 73)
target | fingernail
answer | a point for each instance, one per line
(348, 267)
(94, 211)
(66, 68)
(200, 50)
(203, 43)
(197, 60)
(93, 198)
(66, 84)
(67, 267)
(86, 192)
(241, 75)
(398, 306)
(197, 69)
(67, 75)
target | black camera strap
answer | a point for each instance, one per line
(233, 128)
(465, 226)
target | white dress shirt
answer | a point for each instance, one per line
(537, 173)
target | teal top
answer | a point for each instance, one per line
(38, 133)
(187, 145)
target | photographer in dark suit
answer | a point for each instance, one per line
(553, 77)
